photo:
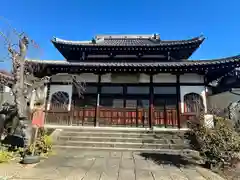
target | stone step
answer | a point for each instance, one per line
(122, 145)
(121, 139)
(120, 134)
(126, 130)
(104, 134)
(108, 138)
(160, 151)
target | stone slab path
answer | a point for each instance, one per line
(102, 165)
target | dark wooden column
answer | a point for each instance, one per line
(47, 100)
(178, 101)
(206, 96)
(151, 96)
(124, 103)
(97, 101)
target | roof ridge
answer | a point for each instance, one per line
(124, 36)
(74, 42)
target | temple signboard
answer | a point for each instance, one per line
(38, 118)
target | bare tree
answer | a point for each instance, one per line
(17, 53)
(24, 81)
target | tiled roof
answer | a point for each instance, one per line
(233, 59)
(5, 74)
(130, 41)
(6, 78)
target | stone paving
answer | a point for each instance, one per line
(102, 165)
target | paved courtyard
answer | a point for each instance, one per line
(102, 165)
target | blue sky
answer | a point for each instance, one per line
(218, 21)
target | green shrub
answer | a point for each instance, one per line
(43, 144)
(218, 145)
(5, 155)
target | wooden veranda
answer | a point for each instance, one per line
(120, 117)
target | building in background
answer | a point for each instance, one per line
(225, 95)
(5, 87)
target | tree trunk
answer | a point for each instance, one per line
(19, 92)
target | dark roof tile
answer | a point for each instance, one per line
(131, 42)
(142, 64)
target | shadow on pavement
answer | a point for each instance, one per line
(167, 159)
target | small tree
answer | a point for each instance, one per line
(23, 79)
(219, 145)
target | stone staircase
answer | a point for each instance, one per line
(123, 140)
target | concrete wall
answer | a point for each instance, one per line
(6, 95)
(222, 100)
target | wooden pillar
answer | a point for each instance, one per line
(151, 96)
(47, 100)
(96, 123)
(178, 101)
(205, 96)
(124, 104)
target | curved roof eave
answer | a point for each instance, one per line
(196, 40)
(233, 59)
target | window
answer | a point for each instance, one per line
(165, 90)
(118, 103)
(166, 102)
(112, 90)
(110, 102)
(171, 103)
(59, 99)
(159, 102)
(137, 90)
(90, 89)
(144, 103)
(193, 103)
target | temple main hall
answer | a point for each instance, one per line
(129, 81)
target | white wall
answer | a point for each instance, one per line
(189, 78)
(7, 89)
(64, 88)
(6, 95)
(222, 100)
(164, 78)
(132, 78)
(40, 93)
(61, 78)
(106, 78)
(144, 78)
(193, 89)
(88, 77)
(84, 77)
(125, 78)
